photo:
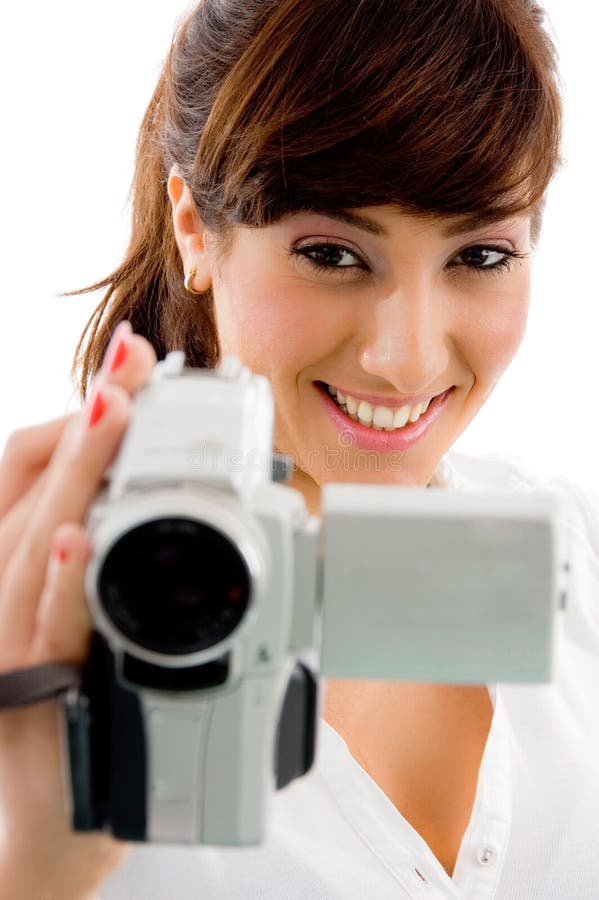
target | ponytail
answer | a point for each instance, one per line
(147, 288)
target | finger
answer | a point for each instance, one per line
(63, 623)
(15, 520)
(75, 475)
(32, 477)
(129, 362)
(26, 453)
(129, 359)
(29, 450)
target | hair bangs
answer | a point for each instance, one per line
(441, 109)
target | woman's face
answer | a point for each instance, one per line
(384, 306)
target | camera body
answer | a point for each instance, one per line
(199, 671)
(218, 603)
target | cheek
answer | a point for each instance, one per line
(494, 338)
(271, 323)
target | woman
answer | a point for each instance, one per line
(347, 198)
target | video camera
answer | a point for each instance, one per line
(219, 603)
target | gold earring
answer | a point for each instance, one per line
(188, 285)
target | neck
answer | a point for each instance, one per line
(309, 488)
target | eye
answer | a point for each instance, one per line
(328, 256)
(485, 258)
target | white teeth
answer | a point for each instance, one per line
(382, 417)
(364, 412)
(378, 417)
(416, 412)
(401, 416)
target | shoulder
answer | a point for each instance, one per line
(576, 516)
(489, 471)
(577, 504)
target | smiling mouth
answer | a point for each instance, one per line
(377, 417)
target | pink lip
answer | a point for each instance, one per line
(386, 401)
(358, 435)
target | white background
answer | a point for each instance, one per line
(74, 81)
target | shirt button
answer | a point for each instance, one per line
(487, 855)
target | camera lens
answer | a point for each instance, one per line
(174, 585)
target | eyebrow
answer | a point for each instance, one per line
(459, 226)
(364, 223)
(473, 223)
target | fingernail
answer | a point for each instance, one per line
(120, 355)
(97, 407)
(61, 553)
(117, 349)
(58, 549)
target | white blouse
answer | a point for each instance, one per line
(534, 828)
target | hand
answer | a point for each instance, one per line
(49, 475)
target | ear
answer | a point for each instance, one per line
(190, 232)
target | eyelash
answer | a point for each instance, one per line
(498, 268)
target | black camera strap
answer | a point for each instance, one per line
(22, 687)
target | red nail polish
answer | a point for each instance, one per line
(120, 355)
(61, 554)
(97, 409)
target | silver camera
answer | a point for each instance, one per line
(219, 602)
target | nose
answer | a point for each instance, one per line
(406, 341)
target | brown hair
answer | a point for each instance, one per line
(448, 107)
